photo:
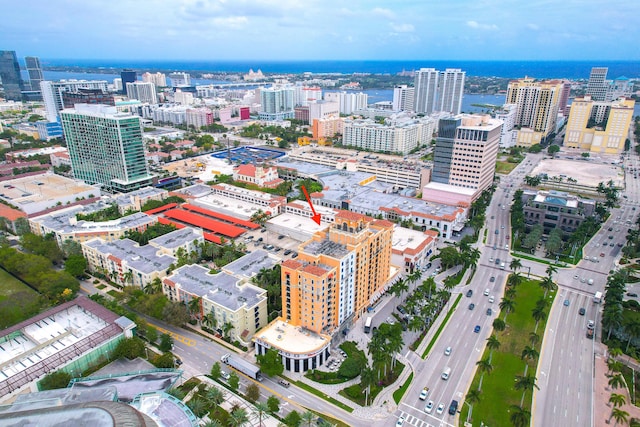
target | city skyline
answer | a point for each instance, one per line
(376, 30)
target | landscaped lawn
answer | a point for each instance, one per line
(498, 392)
(505, 167)
(18, 302)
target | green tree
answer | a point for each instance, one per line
(274, 404)
(292, 419)
(308, 418)
(75, 265)
(152, 334)
(252, 393)
(515, 264)
(472, 397)
(165, 360)
(234, 381)
(499, 324)
(197, 406)
(616, 381)
(261, 409)
(166, 342)
(129, 348)
(617, 399)
(216, 395)
(619, 415)
(519, 417)
(271, 363)
(553, 150)
(54, 380)
(216, 371)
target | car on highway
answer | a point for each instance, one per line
(491, 259)
(486, 292)
(582, 311)
(497, 261)
(489, 312)
(469, 293)
(610, 237)
(284, 383)
(602, 254)
(491, 299)
(472, 306)
(224, 375)
(447, 351)
(566, 303)
(497, 231)
(493, 279)
(429, 407)
(440, 409)
(632, 294)
(476, 329)
(453, 408)
(400, 421)
(424, 393)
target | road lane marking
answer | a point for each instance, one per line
(188, 341)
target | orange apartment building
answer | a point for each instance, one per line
(333, 280)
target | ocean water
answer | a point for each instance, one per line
(508, 69)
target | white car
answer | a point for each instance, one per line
(429, 407)
(423, 393)
(486, 292)
(491, 299)
(400, 421)
(224, 375)
(447, 351)
(440, 409)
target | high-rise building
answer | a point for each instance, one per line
(127, 76)
(537, 104)
(276, 103)
(403, 98)
(599, 126)
(158, 79)
(35, 72)
(597, 85)
(438, 90)
(52, 93)
(392, 137)
(508, 135)
(117, 84)
(563, 108)
(336, 275)
(466, 151)
(10, 75)
(143, 92)
(180, 79)
(86, 96)
(106, 147)
(349, 102)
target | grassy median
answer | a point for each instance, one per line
(498, 392)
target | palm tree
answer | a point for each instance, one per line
(507, 306)
(534, 338)
(472, 256)
(153, 287)
(213, 423)
(538, 314)
(529, 353)
(472, 398)
(238, 417)
(499, 324)
(617, 399)
(493, 344)
(127, 277)
(197, 406)
(632, 328)
(215, 395)
(525, 383)
(514, 280)
(261, 408)
(226, 328)
(399, 287)
(484, 366)
(551, 270)
(194, 307)
(612, 318)
(519, 417)
(616, 381)
(515, 265)
(308, 418)
(367, 378)
(620, 416)
(210, 321)
(613, 366)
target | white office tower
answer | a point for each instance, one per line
(183, 98)
(305, 94)
(52, 93)
(180, 79)
(117, 84)
(158, 79)
(276, 103)
(438, 90)
(508, 135)
(349, 102)
(143, 92)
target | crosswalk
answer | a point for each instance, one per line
(414, 421)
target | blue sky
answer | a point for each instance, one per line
(323, 29)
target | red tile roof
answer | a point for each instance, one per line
(382, 223)
(204, 222)
(246, 170)
(161, 208)
(226, 218)
(353, 216)
(292, 264)
(315, 270)
(10, 213)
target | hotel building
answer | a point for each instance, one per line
(438, 90)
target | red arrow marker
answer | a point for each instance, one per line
(316, 216)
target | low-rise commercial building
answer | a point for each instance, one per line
(411, 249)
(553, 209)
(259, 175)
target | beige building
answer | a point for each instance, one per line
(599, 126)
(538, 103)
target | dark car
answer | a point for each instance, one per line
(469, 293)
(287, 252)
(632, 294)
(401, 309)
(295, 255)
(493, 279)
(472, 306)
(264, 230)
(260, 239)
(489, 312)
(476, 329)
(453, 408)
(582, 311)
(280, 237)
(497, 261)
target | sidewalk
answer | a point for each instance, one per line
(601, 406)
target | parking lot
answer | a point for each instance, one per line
(279, 245)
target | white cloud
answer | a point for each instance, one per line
(234, 22)
(477, 25)
(402, 28)
(387, 13)
(533, 27)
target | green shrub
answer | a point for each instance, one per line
(353, 391)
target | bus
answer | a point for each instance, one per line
(597, 298)
(367, 325)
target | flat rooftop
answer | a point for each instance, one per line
(305, 168)
(406, 238)
(222, 288)
(177, 238)
(250, 265)
(297, 223)
(144, 259)
(439, 186)
(227, 205)
(196, 190)
(41, 188)
(326, 247)
(292, 339)
(65, 222)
